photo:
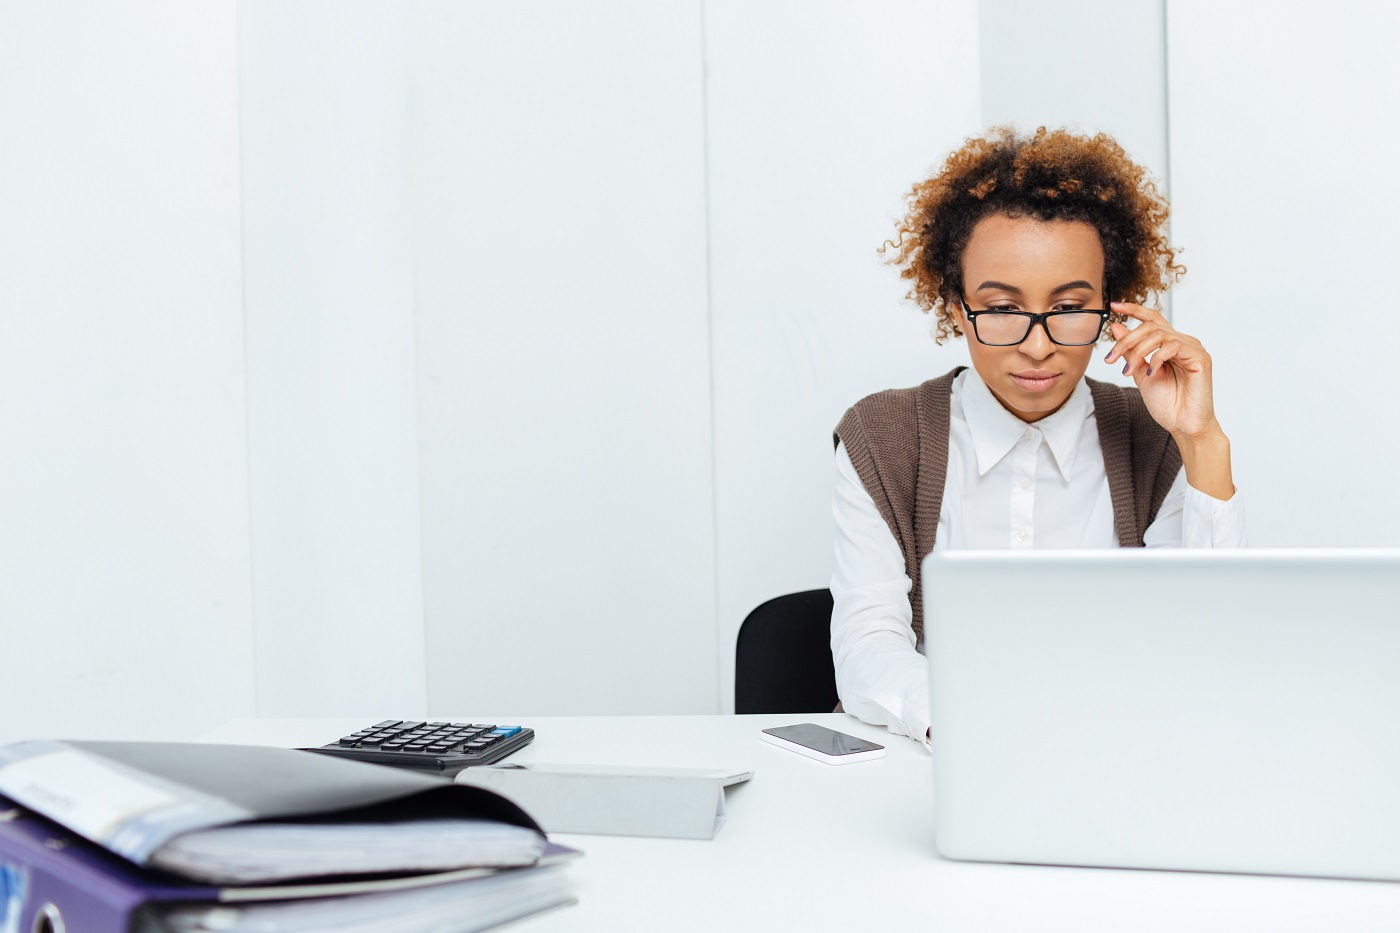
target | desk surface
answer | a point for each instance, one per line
(813, 847)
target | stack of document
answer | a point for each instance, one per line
(461, 906)
(257, 853)
(147, 837)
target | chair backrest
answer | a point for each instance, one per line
(782, 660)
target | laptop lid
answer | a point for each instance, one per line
(1212, 710)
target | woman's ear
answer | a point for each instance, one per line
(959, 311)
(954, 308)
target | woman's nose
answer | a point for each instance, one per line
(1037, 344)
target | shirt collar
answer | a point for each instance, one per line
(995, 430)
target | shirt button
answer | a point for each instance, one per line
(1021, 536)
(1023, 481)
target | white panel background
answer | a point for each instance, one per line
(550, 311)
(819, 124)
(123, 498)
(332, 396)
(1091, 65)
(1094, 65)
(563, 357)
(1283, 147)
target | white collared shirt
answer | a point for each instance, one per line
(1010, 484)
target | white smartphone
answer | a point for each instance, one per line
(823, 744)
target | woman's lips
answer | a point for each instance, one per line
(1035, 380)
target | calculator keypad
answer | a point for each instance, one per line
(447, 746)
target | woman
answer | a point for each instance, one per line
(1034, 249)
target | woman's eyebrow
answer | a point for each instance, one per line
(1001, 286)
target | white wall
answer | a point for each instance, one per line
(332, 393)
(1095, 65)
(568, 538)
(1283, 139)
(549, 312)
(124, 602)
(819, 124)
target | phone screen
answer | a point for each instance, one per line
(824, 740)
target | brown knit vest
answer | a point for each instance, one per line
(898, 442)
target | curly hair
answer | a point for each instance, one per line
(1052, 175)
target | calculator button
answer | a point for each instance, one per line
(506, 732)
(350, 740)
(386, 723)
(439, 724)
(372, 741)
(476, 746)
(409, 725)
(392, 746)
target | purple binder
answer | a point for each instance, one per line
(42, 867)
(91, 870)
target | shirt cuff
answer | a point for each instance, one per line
(919, 715)
(1211, 522)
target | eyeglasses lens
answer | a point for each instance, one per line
(1068, 328)
(1075, 328)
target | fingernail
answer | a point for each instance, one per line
(1149, 370)
(1125, 368)
(1108, 356)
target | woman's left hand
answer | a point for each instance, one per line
(1176, 387)
(1176, 383)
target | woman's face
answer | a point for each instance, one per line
(1024, 264)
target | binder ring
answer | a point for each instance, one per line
(47, 919)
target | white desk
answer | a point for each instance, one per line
(813, 847)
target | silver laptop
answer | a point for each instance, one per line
(1210, 710)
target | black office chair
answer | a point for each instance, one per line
(782, 661)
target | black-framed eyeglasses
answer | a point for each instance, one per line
(1077, 327)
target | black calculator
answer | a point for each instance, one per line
(444, 747)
